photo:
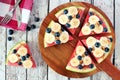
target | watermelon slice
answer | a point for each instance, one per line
(55, 35)
(20, 55)
(99, 46)
(70, 17)
(80, 60)
(94, 23)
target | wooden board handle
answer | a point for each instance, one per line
(110, 69)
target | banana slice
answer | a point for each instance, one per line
(27, 63)
(87, 60)
(74, 62)
(86, 30)
(98, 29)
(72, 11)
(13, 58)
(64, 37)
(56, 27)
(49, 38)
(93, 19)
(80, 50)
(22, 51)
(63, 19)
(91, 41)
(98, 52)
(75, 23)
(104, 41)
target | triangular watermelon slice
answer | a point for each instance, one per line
(99, 46)
(70, 17)
(55, 35)
(20, 55)
(80, 60)
(94, 23)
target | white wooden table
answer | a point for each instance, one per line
(40, 9)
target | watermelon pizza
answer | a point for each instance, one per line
(20, 55)
(95, 38)
(94, 23)
(70, 17)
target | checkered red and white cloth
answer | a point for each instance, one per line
(25, 7)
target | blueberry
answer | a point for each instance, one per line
(11, 32)
(100, 22)
(78, 16)
(9, 38)
(19, 63)
(48, 30)
(37, 19)
(111, 39)
(92, 26)
(106, 49)
(79, 57)
(91, 13)
(14, 51)
(57, 34)
(67, 25)
(28, 28)
(86, 53)
(70, 17)
(58, 41)
(80, 66)
(62, 29)
(90, 49)
(105, 29)
(23, 58)
(91, 66)
(27, 55)
(65, 11)
(97, 44)
(33, 26)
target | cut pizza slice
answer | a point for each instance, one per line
(95, 23)
(20, 55)
(55, 35)
(99, 46)
(70, 17)
(80, 60)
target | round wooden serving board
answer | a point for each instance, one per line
(58, 56)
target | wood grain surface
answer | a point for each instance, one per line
(40, 9)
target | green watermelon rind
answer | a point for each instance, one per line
(70, 68)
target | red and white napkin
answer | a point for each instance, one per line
(25, 7)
